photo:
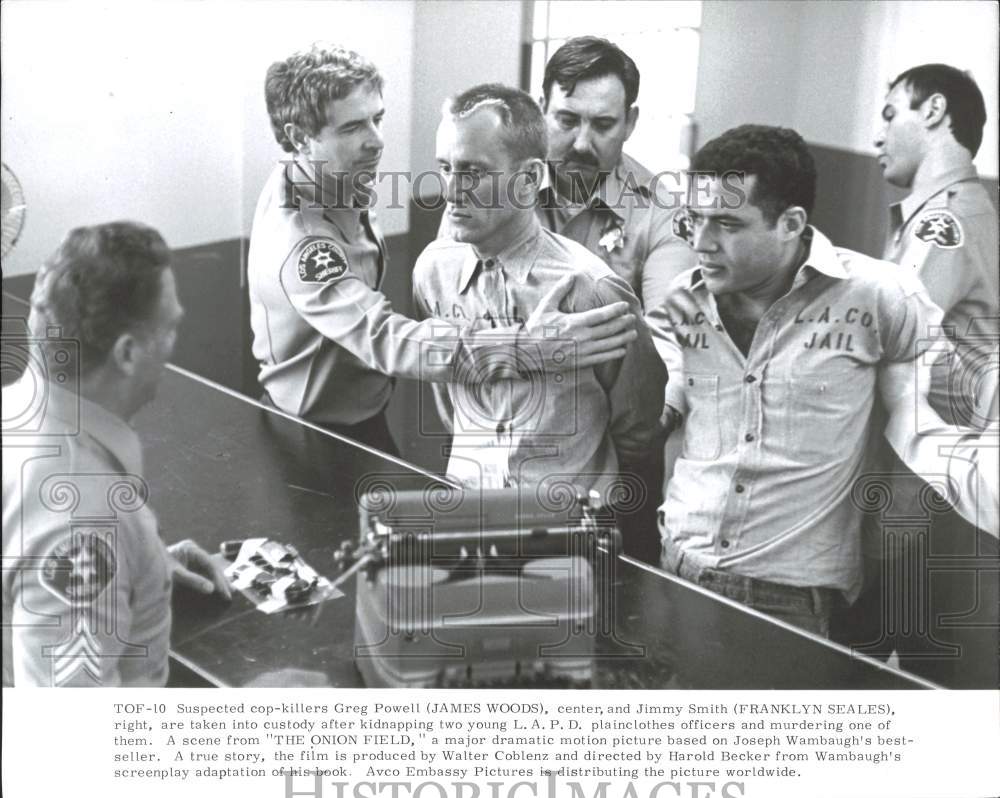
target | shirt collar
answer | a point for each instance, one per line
(516, 259)
(822, 255)
(622, 185)
(346, 220)
(104, 427)
(938, 182)
(615, 194)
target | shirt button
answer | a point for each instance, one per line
(725, 544)
(750, 378)
(740, 489)
(748, 437)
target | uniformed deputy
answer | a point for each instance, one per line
(327, 340)
(87, 580)
(605, 200)
(594, 193)
(946, 229)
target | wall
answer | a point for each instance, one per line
(850, 51)
(459, 43)
(823, 67)
(156, 111)
(743, 75)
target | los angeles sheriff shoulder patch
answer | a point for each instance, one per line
(939, 228)
(78, 568)
(321, 262)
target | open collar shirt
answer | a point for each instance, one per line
(552, 428)
(774, 441)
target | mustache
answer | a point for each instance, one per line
(580, 159)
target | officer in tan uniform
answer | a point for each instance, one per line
(595, 194)
(946, 228)
(601, 198)
(327, 340)
(87, 580)
(946, 231)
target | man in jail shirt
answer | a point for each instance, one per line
(326, 339)
(777, 345)
(946, 229)
(593, 192)
(558, 428)
(87, 581)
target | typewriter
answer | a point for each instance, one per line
(477, 588)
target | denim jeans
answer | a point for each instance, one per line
(808, 608)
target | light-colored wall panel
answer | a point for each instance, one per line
(849, 51)
(747, 66)
(822, 67)
(458, 43)
(156, 111)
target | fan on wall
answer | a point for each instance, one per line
(12, 208)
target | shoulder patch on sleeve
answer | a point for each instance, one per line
(941, 228)
(321, 262)
(78, 568)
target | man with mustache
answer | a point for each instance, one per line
(327, 340)
(946, 228)
(595, 194)
(599, 197)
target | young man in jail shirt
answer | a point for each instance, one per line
(778, 346)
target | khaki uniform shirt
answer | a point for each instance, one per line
(328, 342)
(555, 428)
(773, 441)
(86, 579)
(947, 233)
(628, 224)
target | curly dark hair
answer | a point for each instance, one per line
(102, 281)
(587, 57)
(298, 89)
(965, 101)
(777, 156)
